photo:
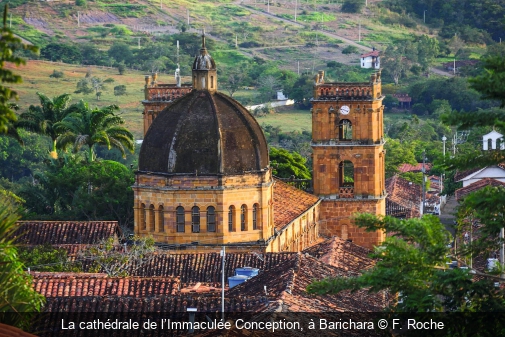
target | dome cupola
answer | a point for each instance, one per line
(204, 70)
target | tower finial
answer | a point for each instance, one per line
(203, 38)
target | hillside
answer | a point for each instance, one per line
(320, 34)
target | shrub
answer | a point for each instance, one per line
(56, 74)
(350, 50)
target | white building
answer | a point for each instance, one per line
(371, 60)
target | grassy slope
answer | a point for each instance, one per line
(35, 76)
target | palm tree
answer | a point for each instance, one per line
(41, 119)
(86, 126)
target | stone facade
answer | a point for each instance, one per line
(159, 198)
(348, 155)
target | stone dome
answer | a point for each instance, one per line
(205, 133)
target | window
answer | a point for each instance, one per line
(143, 216)
(346, 174)
(151, 218)
(231, 210)
(212, 82)
(345, 130)
(161, 220)
(211, 219)
(195, 219)
(243, 218)
(180, 219)
(255, 216)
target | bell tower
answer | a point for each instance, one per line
(348, 155)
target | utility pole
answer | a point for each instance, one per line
(10, 20)
(298, 68)
(236, 41)
(424, 16)
(268, 6)
(78, 19)
(188, 17)
(424, 183)
(139, 41)
(161, 4)
(223, 255)
(454, 67)
(296, 6)
(359, 31)
(502, 250)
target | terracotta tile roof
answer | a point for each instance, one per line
(342, 254)
(9, 331)
(206, 267)
(64, 232)
(290, 203)
(372, 53)
(150, 304)
(414, 168)
(404, 198)
(463, 174)
(82, 284)
(288, 282)
(464, 191)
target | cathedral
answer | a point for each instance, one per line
(204, 179)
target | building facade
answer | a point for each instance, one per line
(204, 179)
(348, 155)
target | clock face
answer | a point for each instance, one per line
(344, 110)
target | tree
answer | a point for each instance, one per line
(98, 126)
(116, 260)
(491, 83)
(17, 296)
(397, 154)
(121, 68)
(84, 87)
(61, 52)
(42, 119)
(97, 85)
(121, 52)
(301, 91)
(120, 90)
(46, 258)
(9, 46)
(412, 264)
(234, 80)
(394, 62)
(352, 6)
(268, 86)
(288, 164)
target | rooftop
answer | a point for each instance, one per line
(414, 168)
(290, 203)
(97, 284)
(342, 254)
(404, 198)
(64, 232)
(288, 281)
(464, 191)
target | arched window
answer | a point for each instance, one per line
(180, 221)
(490, 144)
(345, 130)
(243, 218)
(231, 215)
(151, 218)
(346, 174)
(195, 219)
(161, 219)
(212, 82)
(211, 219)
(255, 216)
(143, 216)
